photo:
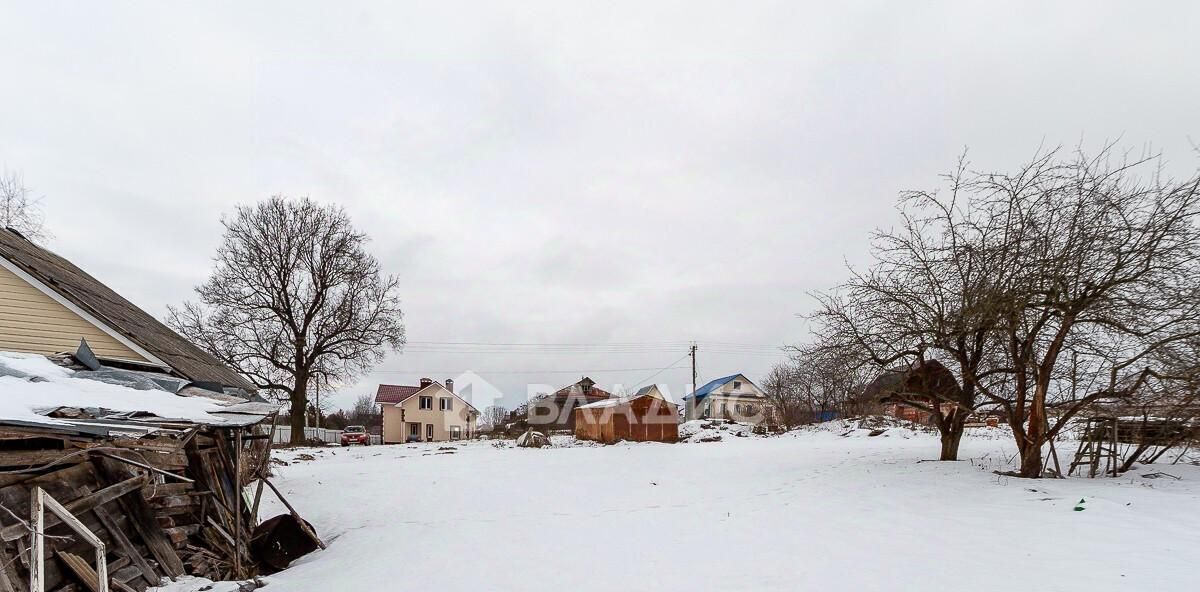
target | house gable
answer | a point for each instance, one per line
(33, 321)
(652, 391)
(741, 386)
(734, 385)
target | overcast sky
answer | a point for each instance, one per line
(645, 173)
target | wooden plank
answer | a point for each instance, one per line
(144, 522)
(126, 545)
(221, 531)
(79, 506)
(116, 565)
(182, 460)
(263, 469)
(83, 572)
(167, 445)
(238, 498)
(37, 458)
(9, 580)
(37, 545)
(295, 514)
(147, 527)
(159, 490)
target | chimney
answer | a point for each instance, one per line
(426, 382)
(450, 384)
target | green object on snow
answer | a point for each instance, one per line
(1079, 507)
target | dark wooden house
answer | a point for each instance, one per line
(556, 412)
(911, 392)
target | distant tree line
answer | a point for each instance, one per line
(364, 412)
(818, 384)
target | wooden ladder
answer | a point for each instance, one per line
(1099, 441)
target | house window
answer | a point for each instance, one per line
(456, 432)
(429, 432)
(426, 403)
(447, 404)
(737, 384)
(414, 430)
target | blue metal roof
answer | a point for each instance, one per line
(705, 390)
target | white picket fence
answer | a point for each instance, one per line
(283, 435)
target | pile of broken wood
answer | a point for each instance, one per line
(164, 504)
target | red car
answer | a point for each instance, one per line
(355, 435)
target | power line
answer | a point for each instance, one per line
(632, 344)
(668, 367)
(480, 347)
(593, 370)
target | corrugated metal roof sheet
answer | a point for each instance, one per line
(713, 385)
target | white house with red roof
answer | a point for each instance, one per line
(428, 412)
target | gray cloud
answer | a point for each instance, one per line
(550, 173)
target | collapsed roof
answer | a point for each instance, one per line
(35, 391)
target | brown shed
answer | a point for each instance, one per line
(644, 417)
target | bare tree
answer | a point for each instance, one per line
(1106, 277)
(294, 300)
(1050, 289)
(782, 386)
(18, 209)
(815, 384)
(493, 416)
(364, 411)
(931, 294)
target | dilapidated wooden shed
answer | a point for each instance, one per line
(127, 477)
(644, 417)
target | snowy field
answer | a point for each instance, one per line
(811, 510)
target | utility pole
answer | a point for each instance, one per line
(692, 352)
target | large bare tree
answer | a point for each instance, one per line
(931, 294)
(1105, 278)
(1052, 288)
(294, 300)
(19, 210)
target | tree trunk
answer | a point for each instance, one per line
(1035, 432)
(1031, 459)
(952, 434)
(299, 411)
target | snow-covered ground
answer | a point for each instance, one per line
(810, 510)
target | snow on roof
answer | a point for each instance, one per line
(31, 386)
(644, 392)
(607, 403)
